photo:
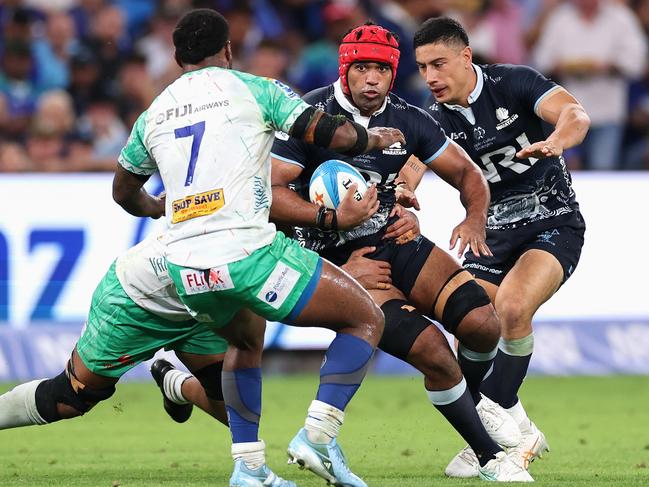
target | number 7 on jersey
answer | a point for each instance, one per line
(196, 131)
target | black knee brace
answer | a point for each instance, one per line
(210, 379)
(403, 324)
(50, 392)
(464, 299)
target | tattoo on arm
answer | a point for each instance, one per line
(415, 165)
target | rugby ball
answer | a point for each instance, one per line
(330, 182)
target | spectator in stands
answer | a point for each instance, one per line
(52, 52)
(595, 47)
(109, 134)
(85, 79)
(270, 59)
(156, 46)
(17, 86)
(317, 64)
(136, 89)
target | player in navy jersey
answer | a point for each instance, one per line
(413, 279)
(515, 124)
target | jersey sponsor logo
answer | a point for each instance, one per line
(479, 133)
(219, 278)
(196, 205)
(502, 114)
(175, 112)
(279, 285)
(458, 135)
(395, 150)
(194, 281)
(285, 88)
(281, 135)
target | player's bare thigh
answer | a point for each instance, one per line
(340, 303)
(535, 277)
(434, 274)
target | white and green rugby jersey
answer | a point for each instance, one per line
(142, 273)
(210, 134)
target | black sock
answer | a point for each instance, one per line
(475, 366)
(510, 368)
(461, 414)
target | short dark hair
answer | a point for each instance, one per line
(199, 34)
(441, 29)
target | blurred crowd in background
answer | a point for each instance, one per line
(75, 74)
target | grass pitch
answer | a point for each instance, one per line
(598, 429)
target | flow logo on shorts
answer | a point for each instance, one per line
(279, 285)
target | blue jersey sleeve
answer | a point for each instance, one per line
(289, 149)
(527, 85)
(431, 138)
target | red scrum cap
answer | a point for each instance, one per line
(369, 42)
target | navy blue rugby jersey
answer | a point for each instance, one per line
(424, 138)
(501, 119)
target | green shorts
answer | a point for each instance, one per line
(275, 281)
(120, 334)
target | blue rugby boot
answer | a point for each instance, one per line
(324, 460)
(261, 477)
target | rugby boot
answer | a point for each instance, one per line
(178, 412)
(504, 469)
(533, 445)
(261, 477)
(325, 460)
(499, 424)
(464, 465)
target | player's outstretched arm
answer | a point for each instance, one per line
(571, 123)
(338, 133)
(456, 168)
(130, 195)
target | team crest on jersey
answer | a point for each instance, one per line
(395, 150)
(478, 133)
(285, 88)
(502, 114)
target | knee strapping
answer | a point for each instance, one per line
(460, 295)
(51, 392)
(403, 324)
(210, 378)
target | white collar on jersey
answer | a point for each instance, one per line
(348, 106)
(473, 96)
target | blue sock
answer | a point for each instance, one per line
(242, 396)
(345, 364)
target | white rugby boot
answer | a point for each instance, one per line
(532, 446)
(504, 469)
(464, 465)
(499, 423)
